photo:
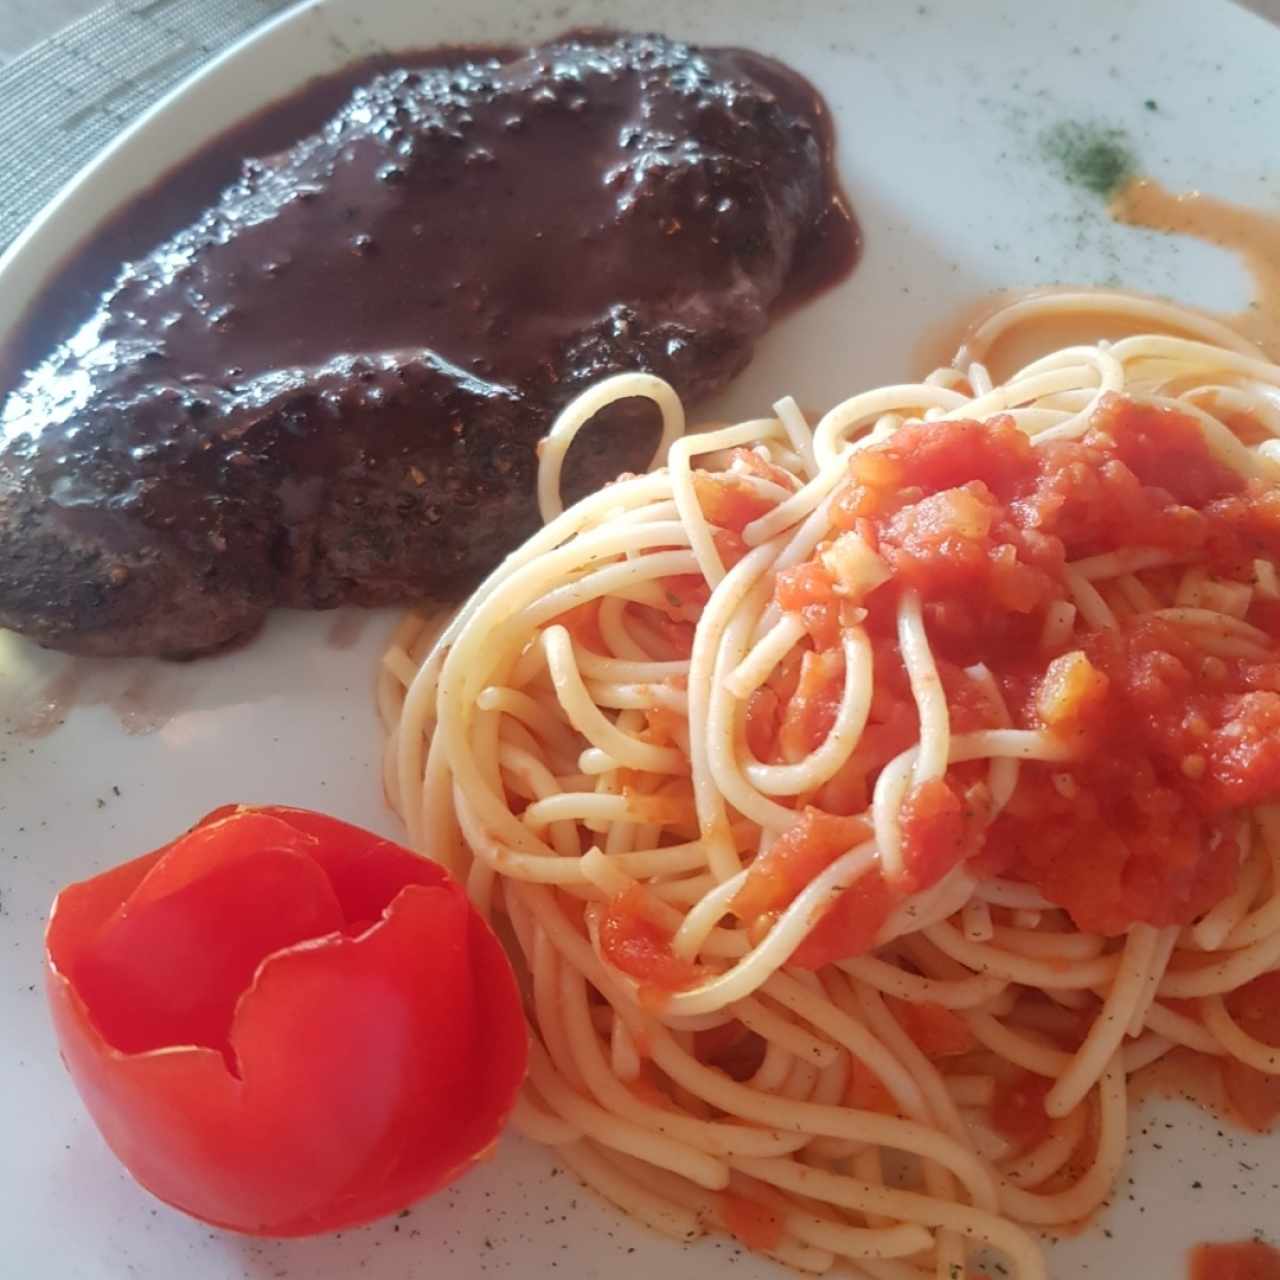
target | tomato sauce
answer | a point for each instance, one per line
(850, 926)
(800, 854)
(1167, 739)
(940, 828)
(762, 722)
(808, 589)
(1183, 1075)
(866, 1091)
(1254, 1095)
(737, 1052)
(1236, 1093)
(728, 501)
(757, 1226)
(812, 707)
(1017, 1109)
(582, 622)
(1244, 1260)
(634, 942)
(936, 1032)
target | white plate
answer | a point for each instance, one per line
(939, 110)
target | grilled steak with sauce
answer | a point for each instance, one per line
(330, 387)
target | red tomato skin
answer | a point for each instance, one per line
(348, 1100)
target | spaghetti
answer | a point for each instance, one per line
(867, 804)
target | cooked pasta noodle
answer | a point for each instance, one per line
(760, 779)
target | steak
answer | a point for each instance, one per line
(330, 387)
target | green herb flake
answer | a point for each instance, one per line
(1089, 155)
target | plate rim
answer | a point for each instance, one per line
(57, 230)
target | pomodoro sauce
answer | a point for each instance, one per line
(1168, 742)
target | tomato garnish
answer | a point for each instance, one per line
(284, 1025)
(662, 726)
(731, 1047)
(809, 590)
(750, 461)
(671, 804)
(1256, 1007)
(730, 546)
(762, 722)
(685, 595)
(1072, 695)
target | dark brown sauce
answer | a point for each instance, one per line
(826, 255)
(347, 627)
(326, 386)
(144, 694)
(150, 699)
(172, 202)
(36, 713)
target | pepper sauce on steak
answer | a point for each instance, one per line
(330, 386)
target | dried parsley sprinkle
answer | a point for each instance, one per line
(1089, 155)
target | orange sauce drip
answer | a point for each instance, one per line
(1251, 233)
(1030, 338)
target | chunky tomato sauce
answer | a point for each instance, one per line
(795, 858)
(637, 944)
(1166, 739)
